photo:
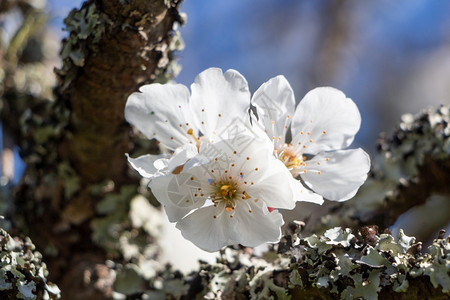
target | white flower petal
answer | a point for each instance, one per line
(209, 233)
(340, 176)
(181, 156)
(147, 165)
(246, 150)
(325, 120)
(259, 226)
(219, 99)
(274, 186)
(162, 112)
(159, 187)
(275, 104)
(303, 194)
(180, 193)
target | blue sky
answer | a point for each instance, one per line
(386, 39)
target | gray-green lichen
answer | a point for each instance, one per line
(23, 275)
(363, 265)
(340, 264)
(85, 27)
(129, 231)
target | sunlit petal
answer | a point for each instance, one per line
(275, 105)
(162, 112)
(325, 120)
(219, 99)
(337, 175)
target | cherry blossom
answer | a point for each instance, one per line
(180, 121)
(322, 126)
(227, 194)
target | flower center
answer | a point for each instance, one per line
(227, 192)
(290, 158)
(296, 162)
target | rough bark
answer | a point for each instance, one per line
(74, 146)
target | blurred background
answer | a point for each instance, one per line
(390, 57)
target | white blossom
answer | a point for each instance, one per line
(180, 121)
(227, 193)
(323, 124)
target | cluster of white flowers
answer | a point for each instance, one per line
(228, 167)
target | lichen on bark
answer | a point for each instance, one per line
(340, 264)
(74, 142)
